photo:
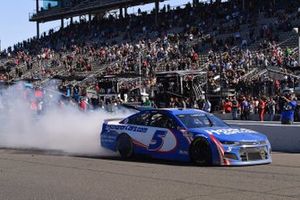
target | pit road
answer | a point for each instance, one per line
(39, 175)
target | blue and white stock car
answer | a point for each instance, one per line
(185, 135)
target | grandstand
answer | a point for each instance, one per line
(217, 51)
(62, 9)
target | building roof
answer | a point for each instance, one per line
(84, 8)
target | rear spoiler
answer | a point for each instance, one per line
(113, 119)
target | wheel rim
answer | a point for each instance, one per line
(200, 152)
(125, 146)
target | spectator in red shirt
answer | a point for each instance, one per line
(83, 104)
(227, 106)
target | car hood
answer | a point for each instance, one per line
(230, 134)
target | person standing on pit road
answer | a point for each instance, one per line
(235, 108)
(297, 110)
(287, 115)
(271, 108)
(245, 109)
(227, 106)
(261, 109)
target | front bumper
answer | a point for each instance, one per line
(247, 155)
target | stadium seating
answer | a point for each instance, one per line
(232, 46)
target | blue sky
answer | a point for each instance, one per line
(15, 25)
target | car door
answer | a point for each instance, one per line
(162, 133)
(137, 127)
(161, 137)
(168, 139)
(157, 135)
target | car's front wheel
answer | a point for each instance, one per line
(125, 146)
(200, 152)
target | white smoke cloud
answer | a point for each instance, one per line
(68, 129)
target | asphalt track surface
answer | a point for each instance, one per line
(38, 175)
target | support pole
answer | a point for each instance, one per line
(125, 10)
(140, 71)
(195, 3)
(37, 30)
(37, 6)
(298, 47)
(62, 23)
(181, 85)
(37, 23)
(121, 12)
(156, 12)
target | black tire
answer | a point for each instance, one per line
(125, 146)
(200, 152)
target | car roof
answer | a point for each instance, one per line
(179, 111)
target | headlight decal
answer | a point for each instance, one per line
(220, 148)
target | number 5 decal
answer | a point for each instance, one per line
(157, 140)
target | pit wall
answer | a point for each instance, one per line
(283, 138)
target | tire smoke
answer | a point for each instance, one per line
(64, 129)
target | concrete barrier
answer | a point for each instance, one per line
(253, 117)
(283, 138)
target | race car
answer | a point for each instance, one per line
(188, 135)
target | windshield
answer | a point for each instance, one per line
(201, 120)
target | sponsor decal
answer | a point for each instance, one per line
(183, 152)
(162, 141)
(109, 136)
(223, 160)
(127, 128)
(157, 141)
(231, 131)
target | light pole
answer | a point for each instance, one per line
(140, 70)
(298, 47)
(297, 31)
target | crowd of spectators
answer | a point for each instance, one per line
(232, 45)
(266, 108)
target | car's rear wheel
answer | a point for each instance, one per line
(125, 146)
(200, 152)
